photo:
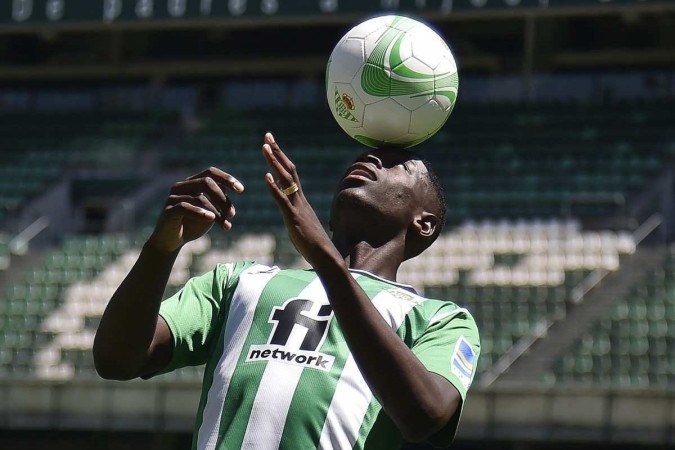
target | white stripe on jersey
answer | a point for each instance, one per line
(352, 394)
(277, 386)
(238, 324)
(347, 409)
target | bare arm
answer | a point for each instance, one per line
(420, 403)
(132, 339)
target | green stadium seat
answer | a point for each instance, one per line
(635, 346)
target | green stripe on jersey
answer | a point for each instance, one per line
(232, 272)
(312, 386)
(377, 430)
(386, 435)
(246, 378)
(306, 398)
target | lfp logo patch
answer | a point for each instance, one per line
(463, 361)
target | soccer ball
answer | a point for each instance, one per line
(391, 81)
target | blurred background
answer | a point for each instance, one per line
(558, 166)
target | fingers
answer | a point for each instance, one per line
(202, 207)
(284, 177)
(275, 190)
(281, 156)
(281, 165)
(219, 177)
(210, 194)
(206, 191)
(189, 206)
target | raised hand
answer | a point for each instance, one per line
(192, 208)
(302, 224)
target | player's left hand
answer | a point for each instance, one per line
(302, 224)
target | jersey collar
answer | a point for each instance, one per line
(407, 287)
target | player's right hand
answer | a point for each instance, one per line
(192, 208)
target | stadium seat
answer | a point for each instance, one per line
(636, 345)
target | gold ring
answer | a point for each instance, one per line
(292, 189)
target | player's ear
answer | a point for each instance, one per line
(425, 224)
(421, 233)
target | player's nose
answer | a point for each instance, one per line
(371, 158)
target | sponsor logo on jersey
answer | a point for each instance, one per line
(314, 360)
(463, 361)
(299, 329)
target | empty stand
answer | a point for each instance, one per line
(38, 149)
(635, 345)
(28, 310)
(495, 160)
(510, 172)
(513, 275)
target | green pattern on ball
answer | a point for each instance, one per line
(376, 81)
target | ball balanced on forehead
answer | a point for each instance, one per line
(391, 81)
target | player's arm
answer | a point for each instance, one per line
(132, 339)
(421, 403)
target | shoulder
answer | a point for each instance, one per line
(231, 270)
(234, 273)
(443, 308)
(446, 316)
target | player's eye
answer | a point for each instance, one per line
(405, 166)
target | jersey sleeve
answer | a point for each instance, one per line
(450, 347)
(195, 314)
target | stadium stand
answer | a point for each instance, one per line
(635, 346)
(525, 271)
(497, 160)
(538, 160)
(537, 206)
(46, 290)
(39, 149)
(522, 270)
(506, 252)
(558, 164)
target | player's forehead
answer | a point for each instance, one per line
(393, 156)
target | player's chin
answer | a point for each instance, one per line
(350, 194)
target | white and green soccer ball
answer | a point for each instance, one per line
(391, 81)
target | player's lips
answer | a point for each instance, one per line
(361, 170)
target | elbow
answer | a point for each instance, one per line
(428, 418)
(110, 372)
(108, 367)
(432, 413)
(423, 426)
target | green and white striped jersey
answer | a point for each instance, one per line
(279, 374)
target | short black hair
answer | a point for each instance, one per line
(439, 208)
(439, 193)
(434, 183)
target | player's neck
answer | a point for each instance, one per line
(381, 259)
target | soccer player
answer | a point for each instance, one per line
(337, 357)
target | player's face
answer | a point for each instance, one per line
(387, 184)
